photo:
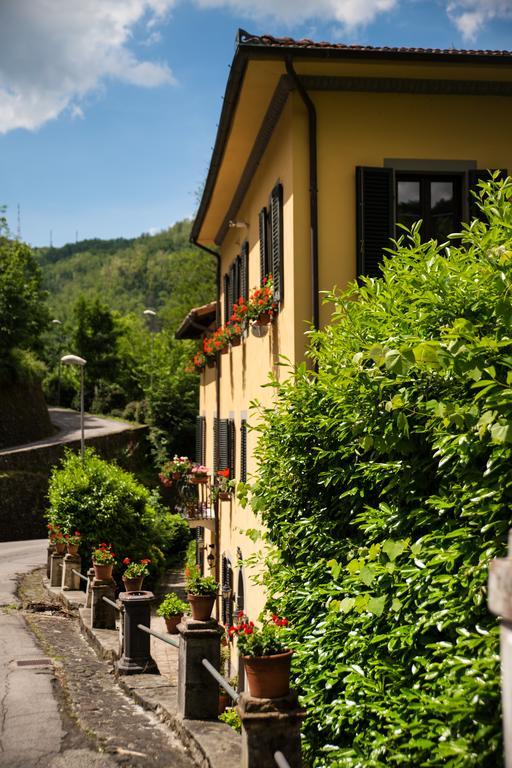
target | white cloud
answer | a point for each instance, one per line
(54, 52)
(349, 13)
(469, 16)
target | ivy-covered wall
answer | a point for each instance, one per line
(23, 414)
(385, 484)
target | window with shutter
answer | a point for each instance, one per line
(226, 298)
(474, 176)
(231, 289)
(264, 249)
(375, 217)
(227, 591)
(276, 240)
(200, 440)
(237, 280)
(244, 270)
(240, 591)
(224, 437)
(200, 548)
(243, 451)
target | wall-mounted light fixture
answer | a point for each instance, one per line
(238, 224)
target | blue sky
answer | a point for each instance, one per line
(109, 108)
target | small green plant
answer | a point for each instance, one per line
(103, 555)
(268, 640)
(73, 538)
(201, 585)
(231, 717)
(134, 570)
(171, 605)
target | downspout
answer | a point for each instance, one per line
(217, 398)
(313, 189)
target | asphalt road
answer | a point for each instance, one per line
(18, 557)
(67, 423)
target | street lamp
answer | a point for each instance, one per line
(58, 324)
(151, 314)
(75, 360)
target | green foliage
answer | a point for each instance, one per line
(23, 311)
(385, 484)
(231, 717)
(107, 504)
(201, 585)
(171, 605)
(268, 640)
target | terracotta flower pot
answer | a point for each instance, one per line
(171, 622)
(201, 606)
(224, 496)
(60, 547)
(73, 549)
(268, 677)
(102, 571)
(198, 479)
(223, 702)
(264, 319)
(134, 584)
(235, 341)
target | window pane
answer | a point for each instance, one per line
(442, 209)
(408, 202)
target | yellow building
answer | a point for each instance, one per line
(320, 149)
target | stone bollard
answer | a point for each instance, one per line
(103, 615)
(49, 553)
(56, 570)
(198, 691)
(500, 604)
(88, 590)
(270, 726)
(70, 580)
(136, 658)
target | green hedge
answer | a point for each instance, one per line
(385, 483)
(107, 504)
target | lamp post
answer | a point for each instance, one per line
(75, 360)
(151, 314)
(58, 324)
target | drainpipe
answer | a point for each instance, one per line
(217, 397)
(313, 189)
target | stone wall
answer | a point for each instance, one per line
(24, 477)
(23, 414)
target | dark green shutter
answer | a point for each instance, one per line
(474, 176)
(200, 548)
(200, 440)
(243, 451)
(374, 217)
(263, 245)
(226, 298)
(224, 438)
(231, 290)
(236, 288)
(276, 240)
(227, 591)
(244, 270)
(240, 591)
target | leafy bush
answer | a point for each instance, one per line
(171, 605)
(385, 483)
(107, 504)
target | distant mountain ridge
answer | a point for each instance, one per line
(162, 271)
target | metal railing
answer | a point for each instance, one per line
(281, 760)
(84, 578)
(164, 638)
(111, 602)
(221, 680)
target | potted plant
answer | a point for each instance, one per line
(73, 541)
(134, 574)
(202, 591)
(238, 318)
(59, 540)
(174, 470)
(209, 351)
(199, 361)
(172, 609)
(265, 654)
(233, 332)
(103, 561)
(198, 474)
(224, 487)
(261, 306)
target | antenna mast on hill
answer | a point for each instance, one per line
(18, 230)
(51, 238)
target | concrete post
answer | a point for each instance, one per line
(103, 615)
(88, 590)
(70, 580)
(198, 692)
(56, 570)
(49, 553)
(500, 604)
(136, 658)
(269, 726)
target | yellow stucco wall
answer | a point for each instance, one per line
(353, 129)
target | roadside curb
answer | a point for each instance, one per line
(211, 744)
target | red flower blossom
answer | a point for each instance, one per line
(126, 561)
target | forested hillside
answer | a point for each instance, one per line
(163, 271)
